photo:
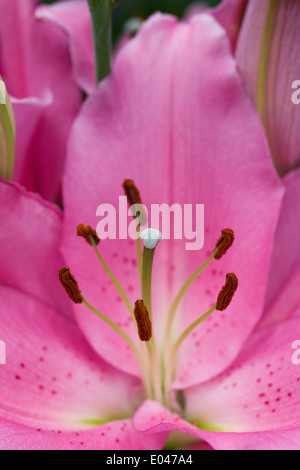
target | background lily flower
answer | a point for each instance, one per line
(230, 15)
(7, 133)
(73, 18)
(37, 69)
(268, 57)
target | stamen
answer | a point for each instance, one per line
(112, 278)
(132, 193)
(133, 197)
(227, 291)
(224, 242)
(128, 340)
(69, 283)
(87, 232)
(224, 299)
(176, 302)
(143, 321)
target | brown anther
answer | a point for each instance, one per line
(227, 291)
(224, 242)
(87, 232)
(70, 285)
(143, 321)
(132, 193)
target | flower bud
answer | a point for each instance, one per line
(7, 134)
(268, 56)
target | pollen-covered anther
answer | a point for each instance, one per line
(143, 321)
(224, 242)
(70, 285)
(131, 192)
(87, 232)
(227, 291)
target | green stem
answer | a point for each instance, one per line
(101, 13)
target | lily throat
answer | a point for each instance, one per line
(157, 363)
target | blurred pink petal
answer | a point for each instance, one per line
(35, 63)
(230, 15)
(283, 288)
(269, 60)
(29, 240)
(74, 19)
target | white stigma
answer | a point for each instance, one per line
(151, 237)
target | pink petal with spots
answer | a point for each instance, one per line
(74, 19)
(29, 245)
(259, 392)
(283, 296)
(154, 418)
(52, 379)
(185, 133)
(117, 435)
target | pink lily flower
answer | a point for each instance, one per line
(269, 63)
(178, 130)
(186, 133)
(39, 78)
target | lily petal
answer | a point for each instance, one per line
(52, 379)
(283, 287)
(117, 435)
(259, 392)
(268, 57)
(74, 19)
(230, 15)
(29, 245)
(179, 131)
(154, 418)
(35, 62)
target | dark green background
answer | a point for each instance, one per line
(144, 8)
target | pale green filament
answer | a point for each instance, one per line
(171, 361)
(139, 257)
(126, 338)
(183, 290)
(113, 279)
(148, 355)
(173, 309)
